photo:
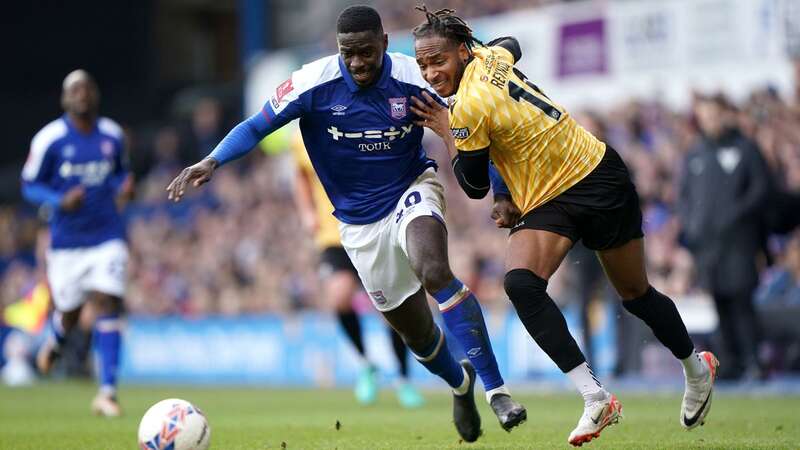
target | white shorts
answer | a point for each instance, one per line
(378, 250)
(73, 272)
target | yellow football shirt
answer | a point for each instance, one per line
(536, 145)
(327, 234)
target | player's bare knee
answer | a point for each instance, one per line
(340, 289)
(105, 304)
(632, 291)
(70, 318)
(418, 331)
(421, 341)
(342, 305)
(436, 275)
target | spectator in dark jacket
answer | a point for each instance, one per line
(724, 188)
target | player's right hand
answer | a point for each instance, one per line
(504, 212)
(73, 198)
(197, 175)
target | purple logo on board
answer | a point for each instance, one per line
(582, 48)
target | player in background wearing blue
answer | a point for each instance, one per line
(362, 141)
(76, 168)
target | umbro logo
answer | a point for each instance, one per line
(338, 110)
(473, 352)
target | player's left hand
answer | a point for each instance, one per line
(125, 192)
(432, 113)
(504, 212)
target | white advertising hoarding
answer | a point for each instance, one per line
(599, 54)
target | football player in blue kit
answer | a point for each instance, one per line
(362, 141)
(77, 169)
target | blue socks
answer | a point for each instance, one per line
(107, 345)
(439, 361)
(463, 317)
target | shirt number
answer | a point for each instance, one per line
(518, 93)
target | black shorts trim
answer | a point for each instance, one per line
(602, 209)
(334, 259)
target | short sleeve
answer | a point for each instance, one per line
(286, 103)
(470, 128)
(38, 166)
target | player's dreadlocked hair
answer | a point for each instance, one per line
(447, 25)
(355, 19)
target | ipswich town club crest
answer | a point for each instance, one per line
(398, 107)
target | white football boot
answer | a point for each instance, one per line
(596, 416)
(697, 397)
(106, 405)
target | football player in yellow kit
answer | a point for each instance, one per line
(568, 185)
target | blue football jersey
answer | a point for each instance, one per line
(362, 142)
(62, 157)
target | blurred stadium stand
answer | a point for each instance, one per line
(177, 73)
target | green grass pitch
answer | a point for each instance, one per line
(56, 416)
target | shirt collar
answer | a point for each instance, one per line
(467, 73)
(383, 79)
(71, 125)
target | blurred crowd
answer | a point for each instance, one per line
(403, 16)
